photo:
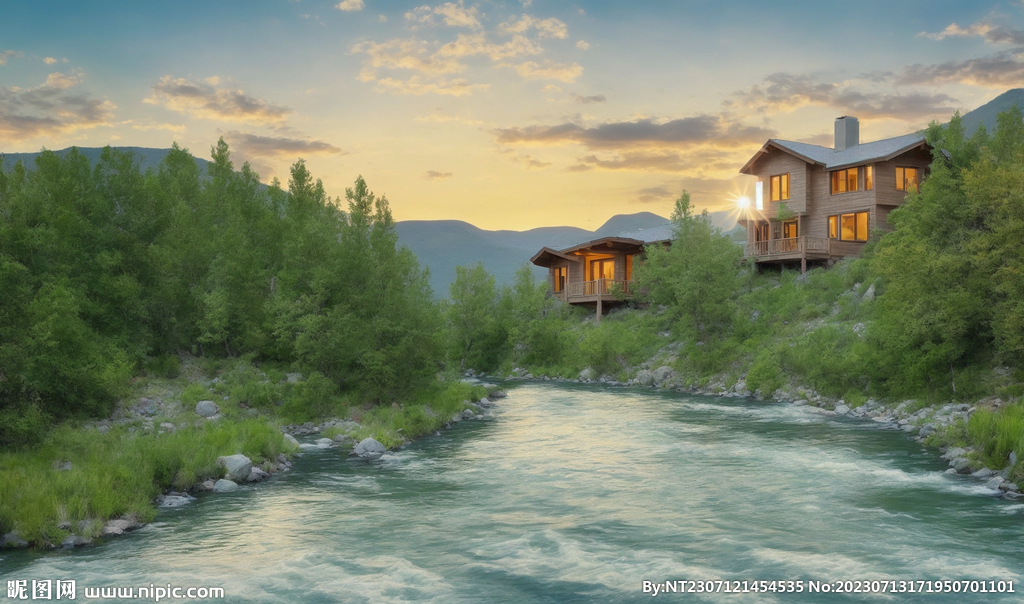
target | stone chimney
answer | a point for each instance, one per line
(847, 133)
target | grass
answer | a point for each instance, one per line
(117, 473)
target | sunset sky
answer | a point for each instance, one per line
(508, 115)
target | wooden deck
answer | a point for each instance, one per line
(608, 290)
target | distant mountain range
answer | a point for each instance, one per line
(146, 156)
(986, 114)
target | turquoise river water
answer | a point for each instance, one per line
(580, 494)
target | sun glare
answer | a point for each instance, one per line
(743, 203)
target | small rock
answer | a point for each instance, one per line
(497, 394)
(961, 465)
(994, 483)
(841, 409)
(324, 443)
(587, 374)
(950, 471)
(1013, 457)
(369, 448)
(207, 408)
(225, 486)
(167, 427)
(12, 539)
(174, 501)
(644, 377)
(256, 475)
(870, 294)
(290, 440)
(63, 466)
(1009, 486)
(75, 541)
(983, 473)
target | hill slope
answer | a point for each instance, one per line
(986, 114)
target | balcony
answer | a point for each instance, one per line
(600, 289)
(792, 248)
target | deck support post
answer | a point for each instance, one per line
(803, 264)
(599, 309)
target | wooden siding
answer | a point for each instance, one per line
(885, 175)
(779, 162)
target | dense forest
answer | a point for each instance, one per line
(106, 271)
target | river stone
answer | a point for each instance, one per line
(497, 394)
(1013, 457)
(167, 427)
(12, 539)
(961, 464)
(174, 501)
(256, 475)
(950, 471)
(225, 486)
(842, 409)
(644, 377)
(369, 448)
(1009, 486)
(324, 443)
(290, 440)
(207, 408)
(983, 473)
(75, 541)
(994, 483)
(587, 374)
(238, 466)
(661, 374)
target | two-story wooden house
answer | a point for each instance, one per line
(815, 204)
(598, 273)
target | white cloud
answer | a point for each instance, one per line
(351, 5)
(546, 28)
(582, 45)
(467, 45)
(550, 71)
(435, 175)
(418, 86)
(453, 15)
(49, 60)
(382, 18)
(50, 109)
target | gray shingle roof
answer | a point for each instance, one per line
(650, 235)
(858, 154)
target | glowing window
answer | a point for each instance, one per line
(869, 178)
(848, 227)
(844, 181)
(780, 187)
(906, 179)
(558, 275)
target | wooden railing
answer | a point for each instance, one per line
(600, 287)
(795, 246)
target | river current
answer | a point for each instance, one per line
(580, 494)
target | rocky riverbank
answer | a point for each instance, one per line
(163, 424)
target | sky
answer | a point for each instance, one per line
(507, 115)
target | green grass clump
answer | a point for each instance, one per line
(117, 473)
(995, 434)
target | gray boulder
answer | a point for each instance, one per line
(167, 427)
(962, 465)
(994, 483)
(661, 374)
(369, 448)
(497, 394)
(225, 486)
(870, 294)
(207, 408)
(644, 377)
(587, 374)
(293, 378)
(75, 541)
(842, 409)
(983, 473)
(256, 475)
(290, 440)
(12, 539)
(238, 466)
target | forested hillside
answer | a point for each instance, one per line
(105, 270)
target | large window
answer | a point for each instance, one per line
(906, 179)
(869, 178)
(848, 227)
(629, 267)
(844, 181)
(780, 187)
(558, 277)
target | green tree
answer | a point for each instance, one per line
(695, 276)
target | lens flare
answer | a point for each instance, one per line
(743, 203)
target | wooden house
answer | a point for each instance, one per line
(816, 204)
(598, 273)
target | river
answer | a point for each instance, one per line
(579, 494)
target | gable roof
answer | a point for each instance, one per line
(831, 159)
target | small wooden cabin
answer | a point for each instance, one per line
(598, 273)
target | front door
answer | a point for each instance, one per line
(789, 234)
